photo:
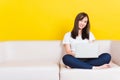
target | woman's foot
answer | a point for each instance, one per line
(105, 66)
(68, 67)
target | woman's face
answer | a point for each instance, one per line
(82, 23)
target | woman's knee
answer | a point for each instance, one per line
(106, 57)
(66, 58)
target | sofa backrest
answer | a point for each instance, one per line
(39, 50)
(104, 46)
(33, 50)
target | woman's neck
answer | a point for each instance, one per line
(79, 32)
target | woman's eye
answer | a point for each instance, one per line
(85, 21)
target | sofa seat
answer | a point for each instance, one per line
(29, 70)
(112, 73)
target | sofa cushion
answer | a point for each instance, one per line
(88, 74)
(33, 50)
(33, 70)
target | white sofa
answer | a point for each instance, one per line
(41, 60)
(29, 60)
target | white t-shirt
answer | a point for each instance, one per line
(69, 40)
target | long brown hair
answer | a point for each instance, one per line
(85, 31)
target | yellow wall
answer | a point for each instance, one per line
(51, 19)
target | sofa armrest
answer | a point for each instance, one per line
(115, 52)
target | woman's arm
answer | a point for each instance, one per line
(68, 49)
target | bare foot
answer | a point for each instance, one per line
(105, 66)
(68, 67)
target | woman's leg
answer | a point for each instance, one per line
(101, 60)
(73, 62)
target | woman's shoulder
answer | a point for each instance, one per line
(68, 34)
(92, 37)
(91, 33)
(66, 39)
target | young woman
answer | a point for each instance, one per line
(81, 33)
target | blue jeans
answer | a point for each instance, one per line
(74, 62)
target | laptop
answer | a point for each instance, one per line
(87, 50)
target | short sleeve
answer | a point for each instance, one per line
(66, 39)
(92, 36)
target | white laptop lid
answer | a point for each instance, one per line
(87, 50)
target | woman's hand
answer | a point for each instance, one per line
(71, 53)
